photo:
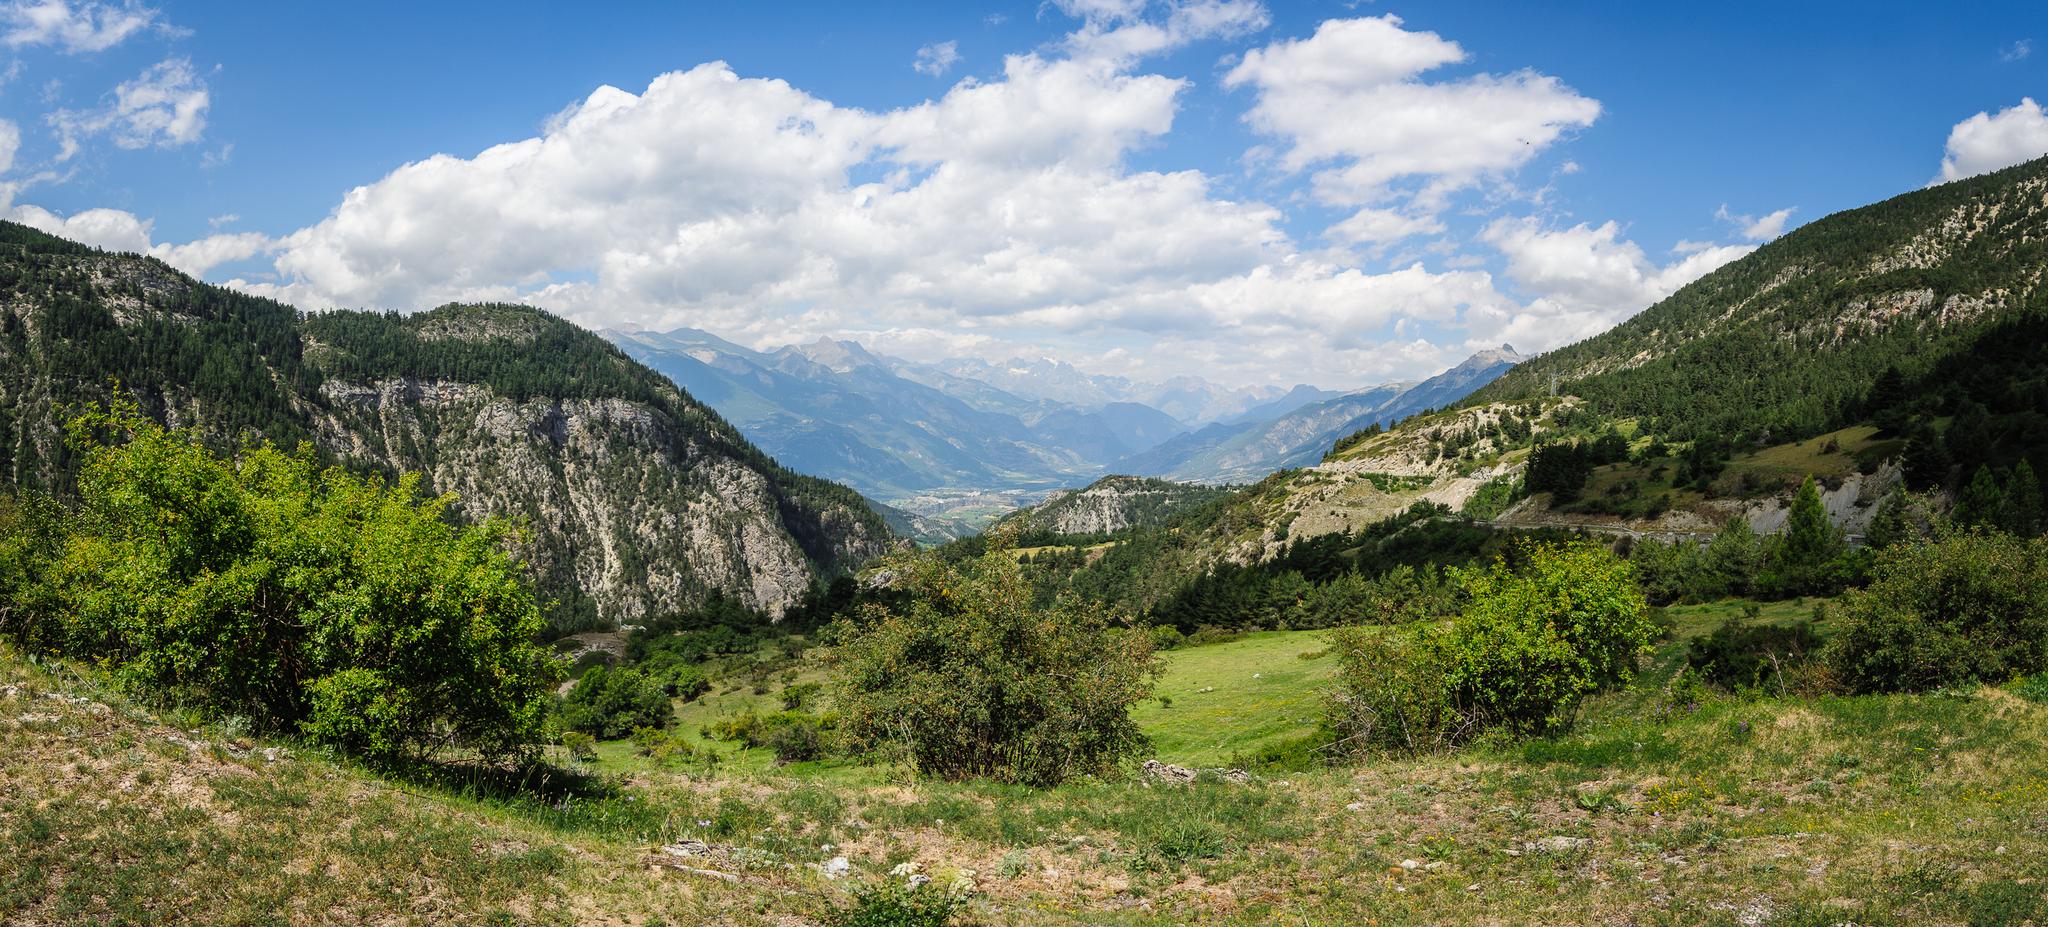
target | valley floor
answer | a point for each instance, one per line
(1660, 810)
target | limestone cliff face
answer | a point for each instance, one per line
(626, 507)
(638, 499)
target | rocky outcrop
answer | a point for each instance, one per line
(1112, 504)
(636, 513)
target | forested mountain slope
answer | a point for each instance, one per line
(1788, 341)
(640, 499)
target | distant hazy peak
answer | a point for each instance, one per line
(840, 356)
(1505, 354)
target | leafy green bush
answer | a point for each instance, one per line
(1493, 498)
(680, 680)
(1393, 693)
(1166, 637)
(661, 745)
(610, 703)
(797, 742)
(1210, 634)
(890, 904)
(1532, 642)
(582, 747)
(800, 695)
(1968, 608)
(967, 677)
(794, 736)
(31, 534)
(1742, 654)
(305, 599)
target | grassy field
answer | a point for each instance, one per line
(1222, 700)
(1659, 809)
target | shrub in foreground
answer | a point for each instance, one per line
(893, 905)
(1535, 641)
(306, 599)
(1968, 608)
(968, 678)
(1531, 644)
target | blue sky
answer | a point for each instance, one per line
(1145, 188)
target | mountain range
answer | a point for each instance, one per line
(926, 436)
(932, 439)
(645, 498)
(1248, 447)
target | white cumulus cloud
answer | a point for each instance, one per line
(164, 106)
(1008, 215)
(119, 230)
(1351, 102)
(937, 58)
(1119, 32)
(1382, 226)
(1586, 278)
(1756, 228)
(1987, 142)
(73, 27)
(10, 143)
(1002, 210)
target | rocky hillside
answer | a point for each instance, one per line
(1111, 504)
(640, 499)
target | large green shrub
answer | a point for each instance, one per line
(610, 703)
(304, 599)
(1968, 608)
(31, 532)
(793, 736)
(1532, 642)
(1393, 693)
(966, 677)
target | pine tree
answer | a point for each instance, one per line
(1802, 558)
(1970, 436)
(1981, 502)
(1729, 564)
(2022, 515)
(1927, 459)
(1887, 392)
(1893, 523)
